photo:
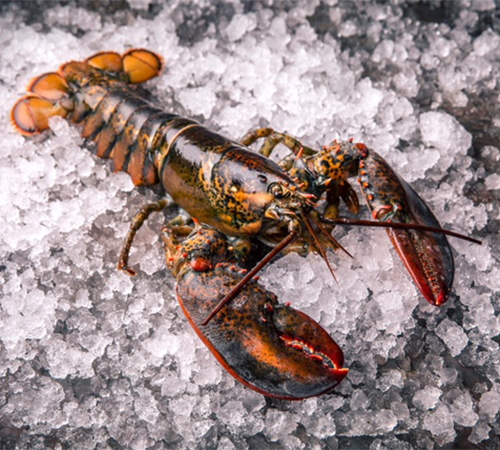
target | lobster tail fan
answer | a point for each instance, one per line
(141, 65)
(31, 114)
(109, 61)
(49, 86)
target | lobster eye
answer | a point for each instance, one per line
(276, 190)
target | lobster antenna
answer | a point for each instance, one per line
(400, 226)
(320, 247)
(330, 237)
(241, 284)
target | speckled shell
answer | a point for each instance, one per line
(270, 347)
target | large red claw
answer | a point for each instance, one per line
(427, 255)
(269, 347)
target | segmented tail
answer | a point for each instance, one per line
(94, 94)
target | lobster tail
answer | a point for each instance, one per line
(95, 93)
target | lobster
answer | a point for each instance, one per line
(246, 196)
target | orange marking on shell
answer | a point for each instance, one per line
(363, 149)
(50, 86)
(73, 69)
(141, 65)
(381, 210)
(200, 265)
(110, 61)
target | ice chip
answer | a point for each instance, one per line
(239, 25)
(444, 132)
(463, 410)
(453, 336)
(427, 398)
(492, 182)
(440, 424)
(490, 404)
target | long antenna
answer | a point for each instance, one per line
(399, 226)
(339, 221)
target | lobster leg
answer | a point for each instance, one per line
(271, 348)
(136, 223)
(272, 139)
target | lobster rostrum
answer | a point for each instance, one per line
(243, 194)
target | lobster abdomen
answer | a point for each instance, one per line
(97, 94)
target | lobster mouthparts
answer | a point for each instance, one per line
(270, 347)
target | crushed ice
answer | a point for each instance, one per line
(89, 356)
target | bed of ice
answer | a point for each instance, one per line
(92, 359)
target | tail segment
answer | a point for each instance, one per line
(81, 91)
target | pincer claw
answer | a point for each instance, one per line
(270, 347)
(426, 254)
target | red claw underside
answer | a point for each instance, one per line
(269, 347)
(426, 255)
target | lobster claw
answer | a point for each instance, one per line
(426, 254)
(270, 347)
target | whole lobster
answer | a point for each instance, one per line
(243, 194)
